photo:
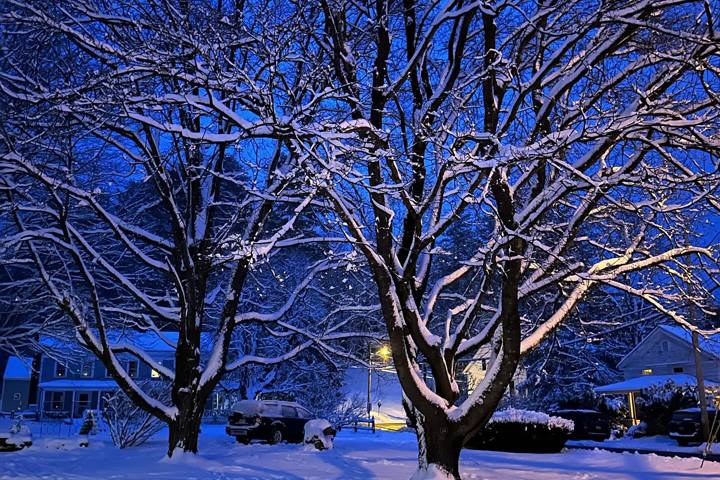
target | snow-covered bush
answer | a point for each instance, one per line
(19, 436)
(512, 415)
(515, 430)
(319, 434)
(636, 431)
(657, 403)
(128, 424)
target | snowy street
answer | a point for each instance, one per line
(356, 456)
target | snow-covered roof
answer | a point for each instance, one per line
(79, 385)
(147, 341)
(18, 369)
(640, 383)
(709, 344)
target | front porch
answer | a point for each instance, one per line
(70, 398)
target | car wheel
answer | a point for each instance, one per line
(276, 436)
(243, 440)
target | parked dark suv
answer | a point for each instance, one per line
(589, 424)
(685, 426)
(270, 420)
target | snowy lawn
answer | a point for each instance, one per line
(659, 443)
(364, 456)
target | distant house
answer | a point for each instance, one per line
(16, 384)
(71, 379)
(476, 369)
(667, 350)
(665, 355)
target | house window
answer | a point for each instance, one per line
(57, 400)
(86, 369)
(665, 346)
(678, 369)
(483, 364)
(169, 364)
(132, 368)
(60, 370)
(82, 403)
(647, 371)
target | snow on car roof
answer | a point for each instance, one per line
(572, 410)
(694, 409)
(18, 369)
(255, 406)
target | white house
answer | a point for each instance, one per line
(476, 369)
(665, 355)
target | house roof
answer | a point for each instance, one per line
(78, 385)
(18, 369)
(147, 341)
(709, 344)
(640, 383)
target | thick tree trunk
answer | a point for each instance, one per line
(439, 446)
(184, 432)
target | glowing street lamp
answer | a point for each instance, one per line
(384, 353)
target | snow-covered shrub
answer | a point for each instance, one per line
(636, 431)
(657, 403)
(128, 424)
(349, 410)
(512, 415)
(319, 434)
(513, 430)
(19, 435)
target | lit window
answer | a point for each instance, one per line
(86, 369)
(647, 371)
(155, 374)
(60, 370)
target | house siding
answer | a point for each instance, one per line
(662, 352)
(10, 389)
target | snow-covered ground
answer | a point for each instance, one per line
(384, 455)
(659, 443)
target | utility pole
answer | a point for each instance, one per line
(701, 386)
(369, 381)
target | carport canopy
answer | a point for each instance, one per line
(637, 384)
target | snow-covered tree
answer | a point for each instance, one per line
(576, 142)
(149, 167)
(584, 133)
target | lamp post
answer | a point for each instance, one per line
(384, 353)
(369, 381)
